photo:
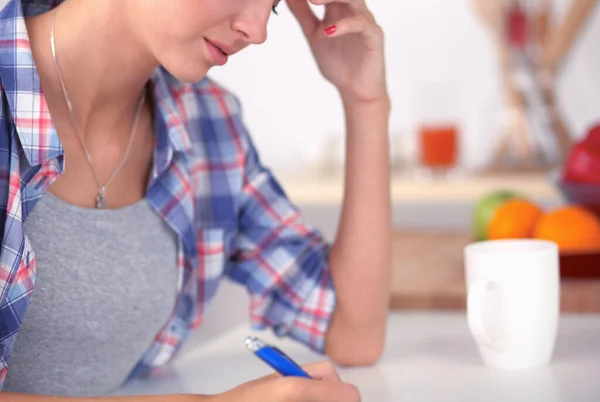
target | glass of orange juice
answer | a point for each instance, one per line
(438, 147)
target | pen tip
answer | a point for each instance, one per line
(253, 343)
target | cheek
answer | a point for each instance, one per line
(188, 19)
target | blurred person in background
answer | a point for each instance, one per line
(130, 187)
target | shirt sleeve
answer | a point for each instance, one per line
(280, 259)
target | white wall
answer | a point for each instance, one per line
(432, 46)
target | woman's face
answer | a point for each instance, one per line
(188, 37)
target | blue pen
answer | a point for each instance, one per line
(275, 358)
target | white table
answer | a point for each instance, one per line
(428, 357)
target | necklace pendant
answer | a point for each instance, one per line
(101, 199)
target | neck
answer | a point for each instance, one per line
(104, 66)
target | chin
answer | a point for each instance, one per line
(190, 76)
(188, 71)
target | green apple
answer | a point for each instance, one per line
(485, 209)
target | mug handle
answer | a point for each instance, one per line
(476, 296)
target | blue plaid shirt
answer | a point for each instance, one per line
(207, 182)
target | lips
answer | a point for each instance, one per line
(226, 49)
(216, 53)
(218, 47)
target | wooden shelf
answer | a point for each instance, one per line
(312, 189)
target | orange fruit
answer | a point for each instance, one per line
(514, 219)
(573, 228)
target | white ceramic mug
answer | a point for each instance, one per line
(513, 302)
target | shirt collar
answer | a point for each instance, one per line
(26, 102)
(21, 85)
(166, 106)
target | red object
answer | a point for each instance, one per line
(581, 185)
(439, 146)
(583, 163)
(580, 266)
(517, 25)
(330, 30)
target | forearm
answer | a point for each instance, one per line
(360, 257)
(14, 397)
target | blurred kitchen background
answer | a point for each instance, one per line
(444, 66)
(489, 98)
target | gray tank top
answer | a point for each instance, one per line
(105, 286)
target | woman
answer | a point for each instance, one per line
(130, 187)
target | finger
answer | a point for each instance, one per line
(306, 18)
(330, 391)
(355, 4)
(356, 24)
(324, 370)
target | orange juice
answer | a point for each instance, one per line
(438, 146)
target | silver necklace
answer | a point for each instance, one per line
(101, 195)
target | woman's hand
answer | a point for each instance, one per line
(348, 47)
(325, 387)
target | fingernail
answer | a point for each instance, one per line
(330, 30)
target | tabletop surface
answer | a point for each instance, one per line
(429, 356)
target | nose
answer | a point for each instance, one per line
(252, 25)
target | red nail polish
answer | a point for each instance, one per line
(330, 30)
